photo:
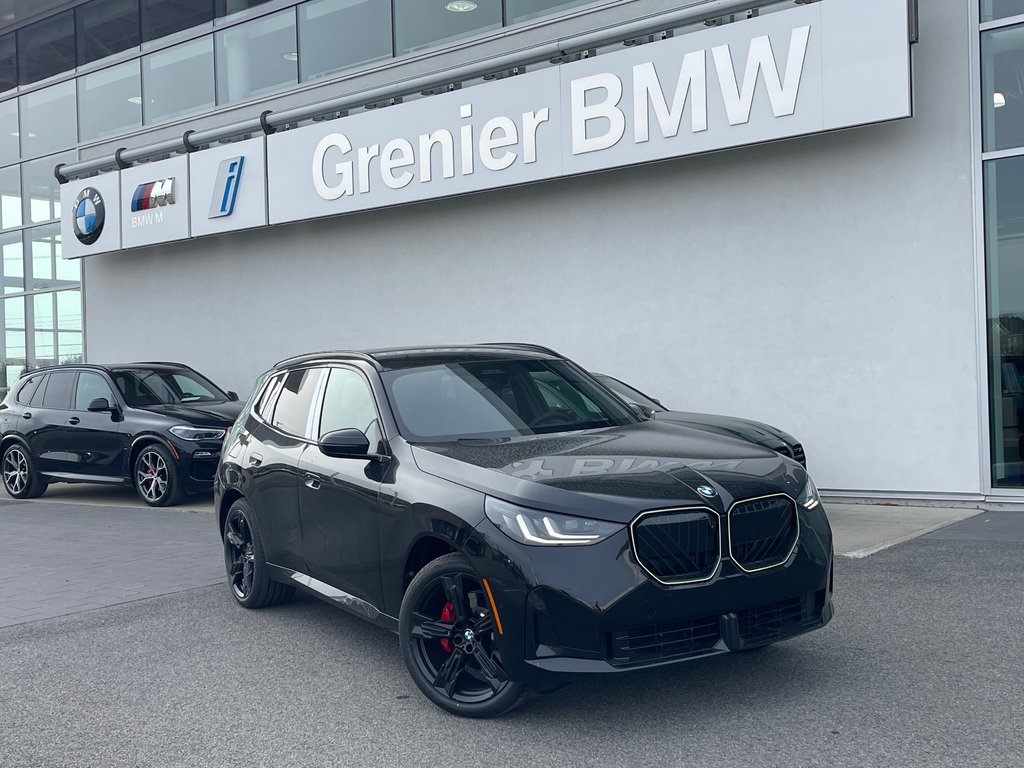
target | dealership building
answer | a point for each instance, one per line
(807, 213)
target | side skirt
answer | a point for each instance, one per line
(334, 596)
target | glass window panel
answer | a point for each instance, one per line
(90, 387)
(46, 48)
(48, 119)
(15, 355)
(1000, 9)
(110, 101)
(10, 197)
(164, 72)
(45, 348)
(69, 348)
(521, 10)
(43, 311)
(106, 27)
(69, 270)
(9, 131)
(292, 409)
(69, 310)
(13, 264)
(40, 190)
(58, 389)
(1004, 238)
(227, 7)
(165, 17)
(422, 25)
(43, 247)
(337, 34)
(256, 57)
(8, 63)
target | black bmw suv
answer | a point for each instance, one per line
(513, 520)
(156, 426)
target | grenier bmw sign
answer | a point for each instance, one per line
(809, 69)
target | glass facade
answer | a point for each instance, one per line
(174, 58)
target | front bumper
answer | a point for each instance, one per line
(593, 609)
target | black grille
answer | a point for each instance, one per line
(660, 642)
(678, 546)
(769, 620)
(762, 531)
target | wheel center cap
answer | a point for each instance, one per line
(468, 634)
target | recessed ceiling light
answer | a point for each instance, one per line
(135, 99)
(460, 6)
(998, 100)
(30, 134)
(290, 56)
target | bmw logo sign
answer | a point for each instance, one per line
(89, 214)
(706, 490)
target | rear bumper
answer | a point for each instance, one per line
(593, 609)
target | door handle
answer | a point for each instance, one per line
(26, 415)
(73, 420)
(312, 482)
(255, 459)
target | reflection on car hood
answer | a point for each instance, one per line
(730, 426)
(614, 473)
(219, 414)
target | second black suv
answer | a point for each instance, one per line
(156, 426)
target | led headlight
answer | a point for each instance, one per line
(808, 498)
(532, 526)
(197, 433)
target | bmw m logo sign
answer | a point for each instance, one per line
(706, 491)
(89, 215)
(152, 194)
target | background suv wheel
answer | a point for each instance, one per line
(156, 477)
(21, 480)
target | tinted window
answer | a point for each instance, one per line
(106, 27)
(501, 398)
(349, 404)
(265, 405)
(46, 48)
(336, 34)
(58, 390)
(165, 17)
(28, 389)
(90, 387)
(629, 394)
(164, 71)
(37, 396)
(292, 411)
(8, 63)
(141, 387)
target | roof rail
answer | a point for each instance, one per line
(521, 345)
(344, 354)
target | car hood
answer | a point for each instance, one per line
(612, 474)
(730, 426)
(222, 414)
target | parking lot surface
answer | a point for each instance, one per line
(920, 667)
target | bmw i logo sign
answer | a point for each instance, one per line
(89, 215)
(706, 490)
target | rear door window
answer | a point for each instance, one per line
(291, 414)
(58, 390)
(28, 389)
(37, 396)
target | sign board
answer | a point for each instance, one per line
(90, 216)
(228, 187)
(154, 202)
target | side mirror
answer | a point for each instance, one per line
(232, 396)
(101, 405)
(642, 411)
(345, 444)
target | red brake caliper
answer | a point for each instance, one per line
(447, 616)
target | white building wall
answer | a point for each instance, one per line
(825, 284)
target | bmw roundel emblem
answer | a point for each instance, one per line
(706, 490)
(89, 215)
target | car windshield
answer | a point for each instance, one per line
(627, 393)
(498, 398)
(141, 387)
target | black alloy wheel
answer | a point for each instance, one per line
(156, 477)
(21, 481)
(449, 640)
(245, 562)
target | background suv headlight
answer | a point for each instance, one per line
(808, 498)
(534, 527)
(197, 433)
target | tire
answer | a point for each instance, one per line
(155, 477)
(448, 640)
(245, 561)
(21, 481)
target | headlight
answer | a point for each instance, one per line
(197, 433)
(531, 526)
(808, 498)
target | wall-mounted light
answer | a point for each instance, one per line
(460, 6)
(998, 100)
(290, 56)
